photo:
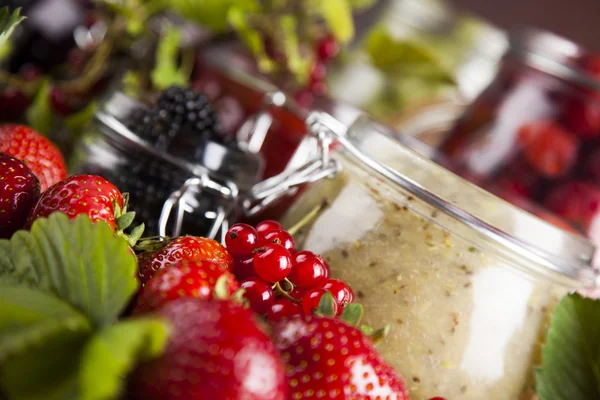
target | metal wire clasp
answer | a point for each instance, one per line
(183, 200)
(319, 165)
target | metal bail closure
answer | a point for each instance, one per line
(319, 166)
(183, 201)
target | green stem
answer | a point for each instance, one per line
(285, 294)
(307, 218)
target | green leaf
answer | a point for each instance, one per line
(353, 313)
(76, 122)
(297, 64)
(166, 72)
(338, 15)
(362, 4)
(571, 356)
(399, 57)
(238, 19)
(210, 13)
(29, 317)
(8, 23)
(81, 262)
(326, 306)
(39, 114)
(110, 355)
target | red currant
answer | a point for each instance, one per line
(318, 88)
(243, 268)
(437, 398)
(297, 293)
(283, 309)
(311, 300)
(272, 262)
(241, 240)
(309, 270)
(304, 98)
(279, 236)
(318, 72)
(13, 104)
(341, 292)
(327, 48)
(267, 226)
(259, 294)
(59, 101)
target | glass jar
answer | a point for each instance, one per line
(172, 194)
(465, 279)
(532, 137)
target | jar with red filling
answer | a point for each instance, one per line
(533, 136)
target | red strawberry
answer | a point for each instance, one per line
(93, 196)
(549, 149)
(327, 358)
(582, 116)
(19, 190)
(40, 155)
(186, 279)
(182, 248)
(216, 350)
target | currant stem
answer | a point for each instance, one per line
(307, 218)
(285, 294)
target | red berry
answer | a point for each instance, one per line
(308, 270)
(298, 293)
(30, 72)
(60, 102)
(341, 292)
(283, 309)
(267, 226)
(241, 240)
(582, 116)
(327, 48)
(19, 190)
(243, 268)
(318, 88)
(272, 262)
(311, 300)
(183, 248)
(185, 279)
(577, 202)
(437, 398)
(13, 104)
(216, 350)
(318, 72)
(304, 98)
(40, 155)
(259, 295)
(280, 237)
(91, 195)
(336, 361)
(551, 150)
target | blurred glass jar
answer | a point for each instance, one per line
(196, 191)
(533, 136)
(464, 49)
(465, 279)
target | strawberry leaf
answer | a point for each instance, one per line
(111, 354)
(326, 306)
(352, 314)
(338, 15)
(571, 356)
(79, 261)
(39, 114)
(166, 72)
(8, 23)
(29, 317)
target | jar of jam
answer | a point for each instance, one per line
(533, 136)
(172, 192)
(466, 280)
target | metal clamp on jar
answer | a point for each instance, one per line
(171, 194)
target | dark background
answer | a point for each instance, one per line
(578, 20)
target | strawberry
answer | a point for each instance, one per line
(19, 190)
(182, 248)
(577, 202)
(216, 350)
(195, 278)
(326, 358)
(92, 195)
(549, 149)
(40, 155)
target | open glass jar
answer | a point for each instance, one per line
(466, 280)
(532, 137)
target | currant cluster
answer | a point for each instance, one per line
(279, 281)
(327, 48)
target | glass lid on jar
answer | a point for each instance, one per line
(501, 228)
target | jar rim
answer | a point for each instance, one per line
(570, 256)
(551, 54)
